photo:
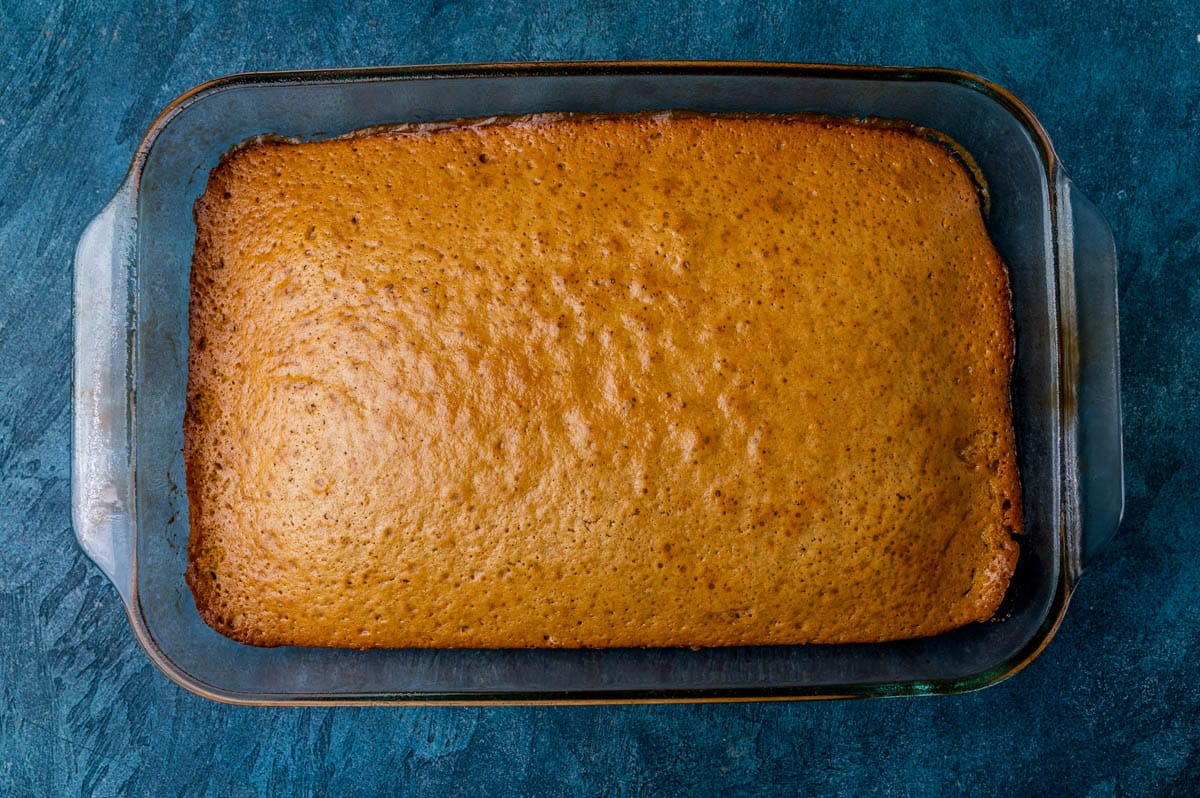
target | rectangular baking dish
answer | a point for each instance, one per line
(131, 340)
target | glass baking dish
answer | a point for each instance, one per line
(131, 299)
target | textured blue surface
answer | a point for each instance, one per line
(1112, 707)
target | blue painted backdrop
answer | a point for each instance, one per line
(1112, 707)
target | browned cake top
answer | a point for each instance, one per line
(598, 381)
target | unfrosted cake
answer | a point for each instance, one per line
(579, 381)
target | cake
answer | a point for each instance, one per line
(599, 381)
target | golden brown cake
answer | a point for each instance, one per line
(654, 380)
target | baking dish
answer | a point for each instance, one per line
(131, 297)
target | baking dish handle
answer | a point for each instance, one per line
(1099, 446)
(101, 454)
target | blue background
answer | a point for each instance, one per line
(1111, 707)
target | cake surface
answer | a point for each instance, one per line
(571, 381)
